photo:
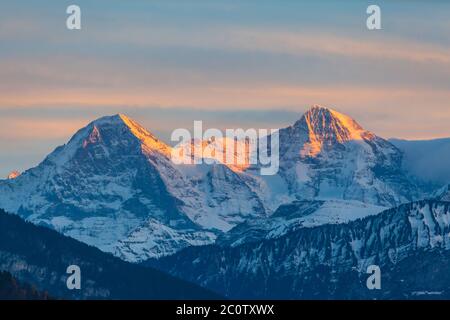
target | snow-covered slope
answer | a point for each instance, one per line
(298, 214)
(154, 239)
(222, 198)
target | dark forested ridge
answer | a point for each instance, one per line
(12, 289)
(40, 256)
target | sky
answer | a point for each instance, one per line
(246, 63)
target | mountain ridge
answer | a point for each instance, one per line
(113, 185)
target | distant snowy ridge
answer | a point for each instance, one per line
(296, 215)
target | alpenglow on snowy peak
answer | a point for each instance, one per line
(328, 155)
(326, 126)
(114, 186)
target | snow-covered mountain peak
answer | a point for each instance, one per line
(149, 142)
(325, 126)
(117, 134)
(328, 155)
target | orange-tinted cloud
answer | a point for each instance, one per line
(22, 128)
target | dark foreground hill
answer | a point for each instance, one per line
(40, 257)
(12, 289)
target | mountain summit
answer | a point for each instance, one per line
(328, 155)
(326, 126)
(107, 135)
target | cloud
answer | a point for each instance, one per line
(27, 128)
(298, 43)
(281, 41)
